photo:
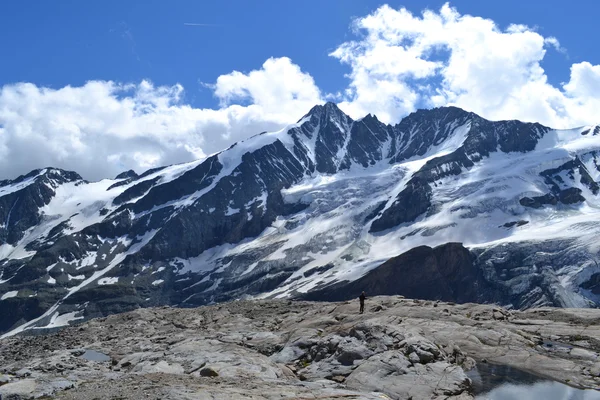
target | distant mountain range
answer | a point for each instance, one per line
(444, 205)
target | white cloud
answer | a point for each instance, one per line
(399, 61)
(103, 128)
(403, 61)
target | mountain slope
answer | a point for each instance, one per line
(323, 201)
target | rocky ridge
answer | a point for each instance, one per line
(279, 349)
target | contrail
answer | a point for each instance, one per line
(195, 24)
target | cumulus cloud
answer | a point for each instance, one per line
(102, 128)
(398, 62)
(402, 61)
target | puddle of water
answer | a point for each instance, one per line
(501, 382)
(539, 391)
(553, 343)
(93, 355)
(553, 346)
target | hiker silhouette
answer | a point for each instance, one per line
(362, 298)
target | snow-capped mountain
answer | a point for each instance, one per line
(321, 203)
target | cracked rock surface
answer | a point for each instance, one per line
(275, 349)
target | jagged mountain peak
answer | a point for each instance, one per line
(130, 174)
(327, 111)
(48, 172)
(318, 202)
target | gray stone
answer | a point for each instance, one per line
(406, 349)
(400, 379)
(208, 372)
(4, 379)
(23, 372)
(19, 390)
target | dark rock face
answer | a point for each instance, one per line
(366, 145)
(565, 196)
(327, 127)
(127, 175)
(571, 196)
(538, 201)
(137, 190)
(410, 203)
(593, 284)
(520, 275)
(447, 273)
(239, 210)
(192, 181)
(554, 176)
(482, 138)
(515, 223)
(421, 130)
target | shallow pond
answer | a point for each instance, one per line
(93, 355)
(501, 382)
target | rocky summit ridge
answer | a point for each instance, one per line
(320, 204)
(279, 349)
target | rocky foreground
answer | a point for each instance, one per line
(398, 349)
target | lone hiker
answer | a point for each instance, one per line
(362, 298)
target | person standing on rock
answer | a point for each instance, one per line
(362, 298)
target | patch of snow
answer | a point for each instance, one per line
(61, 320)
(231, 211)
(14, 253)
(8, 295)
(108, 281)
(87, 260)
(158, 282)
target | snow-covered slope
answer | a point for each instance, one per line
(320, 202)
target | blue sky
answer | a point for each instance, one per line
(58, 43)
(100, 87)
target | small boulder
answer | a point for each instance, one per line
(424, 356)
(584, 354)
(23, 373)
(595, 370)
(414, 358)
(352, 350)
(287, 372)
(4, 379)
(208, 372)
(19, 390)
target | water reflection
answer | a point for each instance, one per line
(537, 391)
(501, 382)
